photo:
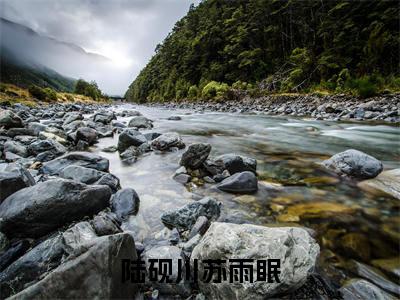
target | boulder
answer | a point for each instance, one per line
(110, 180)
(95, 274)
(42, 208)
(130, 137)
(125, 202)
(13, 177)
(16, 148)
(50, 145)
(185, 217)
(28, 268)
(71, 117)
(293, 246)
(9, 120)
(140, 122)
(13, 252)
(244, 182)
(195, 155)
(354, 164)
(36, 127)
(86, 134)
(104, 117)
(386, 183)
(81, 174)
(78, 238)
(83, 159)
(152, 135)
(106, 223)
(235, 163)
(168, 140)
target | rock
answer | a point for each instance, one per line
(87, 135)
(389, 265)
(373, 275)
(355, 164)
(9, 120)
(191, 243)
(168, 140)
(293, 246)
(79, 278)
(42, 208)
(130, 137)
(16, 148)
(174, 118)
(185, 217)
(83, 159)
(315, 210)
(386, 183)
(13, 132)
(4, 243)
(109, 180)
(182, 178)
(244, 182)
(106, 223)
(71, 117)
(152, 135)
(195, 155)
(14, 251)
(104, 117)
(48, 135)
(200, 227)
(355, 245)
(130, 154)
(235, 163)
(125, 202)
(110, 149)
(81, 174)
(27, 269)
(359, 289)
(36, 127)
(50, 145)
(215, 167)
(13, 177)
(140, 122)
(78, 238)
(175, 254)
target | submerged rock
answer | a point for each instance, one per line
(42, 208)
(185, 217)
(195, 155)
(386, 183)
(355, 164)
(244, 182)
(293, 246)
(235, 163)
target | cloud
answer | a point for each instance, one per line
(126, 31)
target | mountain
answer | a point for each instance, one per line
(30, 58)
(284, 45)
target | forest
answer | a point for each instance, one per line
(273, 46)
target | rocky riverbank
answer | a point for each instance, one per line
(65, 219)
(333, 107)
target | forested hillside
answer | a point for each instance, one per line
(274, 46)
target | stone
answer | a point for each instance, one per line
(36, 127)
(13, 177)
(71, 117)
(140, 122)
(191, 243)
(9, 120)
(42, 208)
(81, 174)
(130, 137)
(152, 135)
(200, 227)
(86, 134)
(185, 217)
(244, 182)
(182, 178)
(354, 164)
(104, 117)
(125, 202)
(42, 258)
(78, 238)
(50, 145)
(16, 148)
(80, 277)
(195, 155)
(359, 289)
(48, 135)
(13, 132)
(386, 183)
(13, 252)
(106, 223)
(110, 149)
(130, 154)
(174, 118)
(168, 140)
(235, 163)
(109, 180)
(83, 159)
(293, 246)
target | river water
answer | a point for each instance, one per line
(288, 152)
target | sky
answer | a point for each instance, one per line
(125, 31)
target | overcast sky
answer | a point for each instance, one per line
(126, 31)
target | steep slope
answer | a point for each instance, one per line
(292, 44)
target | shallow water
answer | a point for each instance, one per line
(288, 152)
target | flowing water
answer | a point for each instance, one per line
(288, 152)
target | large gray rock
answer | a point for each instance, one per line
(130, 137)
(13, 177)
(42, 258)
(9, 120)
(16, 148)
(42, 208)
(185, 217)
(104, 117)
(387, 183)
(293, 246)
(40, 146)
(359, 289)
(355, 164)
(95, 274)
(125, 202)
(168, 140)
(81, 174)
(78, 238)
(195, 155)
(140, 122)
(86, 134)
(72, 117)
(235, 163)
(244, 182)
(106, 223)
(83, 159)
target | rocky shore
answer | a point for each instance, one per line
(62, 213)
(333, 107)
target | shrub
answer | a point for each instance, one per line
(364, 87)
(88, 89)
(193, 92)
(50, 94)
(215, 90)
(37, 92)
